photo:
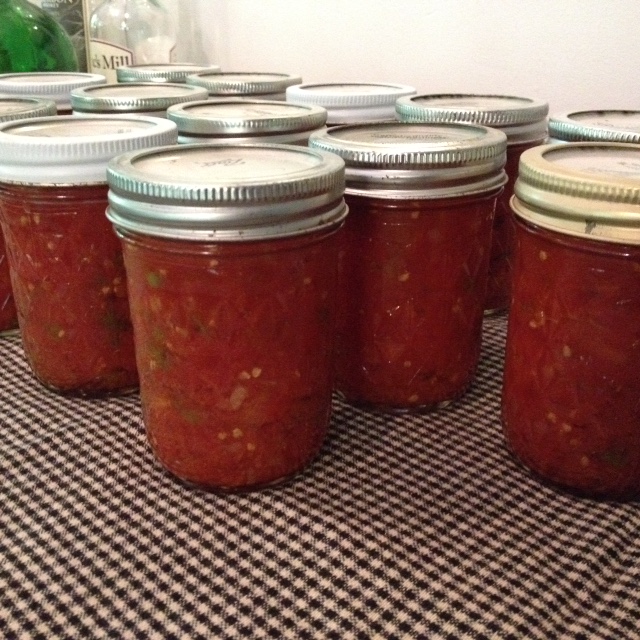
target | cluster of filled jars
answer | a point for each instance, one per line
(243, 246)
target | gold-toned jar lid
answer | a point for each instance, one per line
(615, 125)
(585, 189)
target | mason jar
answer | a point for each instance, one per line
(351, 102)
(65, 261)
(135, 98)
(263, 86)
(162, 72)
(243, 120)
(15, 108)
(414, 259)
(524, 121)
(570, 407)
(49, 85)
(231, 260)
(605, 125)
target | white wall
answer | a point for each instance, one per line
(573, 53)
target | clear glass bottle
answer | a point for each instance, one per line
(126, 32)
(31, 40)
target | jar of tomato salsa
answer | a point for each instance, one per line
(414, 259)
(49, 85)
(162, 72)
(65, 261)
(614, 125)
(351, 102)
(524, 121)
(231, 260)
(15, 108)
(263, 86)
(570, 406)
(135, 98)
(242, 120)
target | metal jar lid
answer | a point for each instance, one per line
(226, 192)
(243, 84)
(417, 160)
(351, 102)
(20, 108)
(521, 119)
(132, 97)
(245, 117)
(596, 126)
(50, 85)
(588, 189)
(74, 150)
(162, 72)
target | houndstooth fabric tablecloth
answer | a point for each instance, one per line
(404, 527)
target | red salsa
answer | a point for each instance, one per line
(234, 347)
(503, 238)
(413, 276)
(8, 314)
(70, 287)
(570, 405)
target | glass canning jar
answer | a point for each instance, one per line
(351, 102)
(263, 86)
(231, 260)
(48, 85)
(570, 406)
(135, 98)
(65, 261)
(163, 72)
(414, 259)
(524, 121)
(242, 120)
(613, 125)
(15, 108)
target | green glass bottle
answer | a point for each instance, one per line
(31, 40)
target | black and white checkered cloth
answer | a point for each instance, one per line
(404, 527)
